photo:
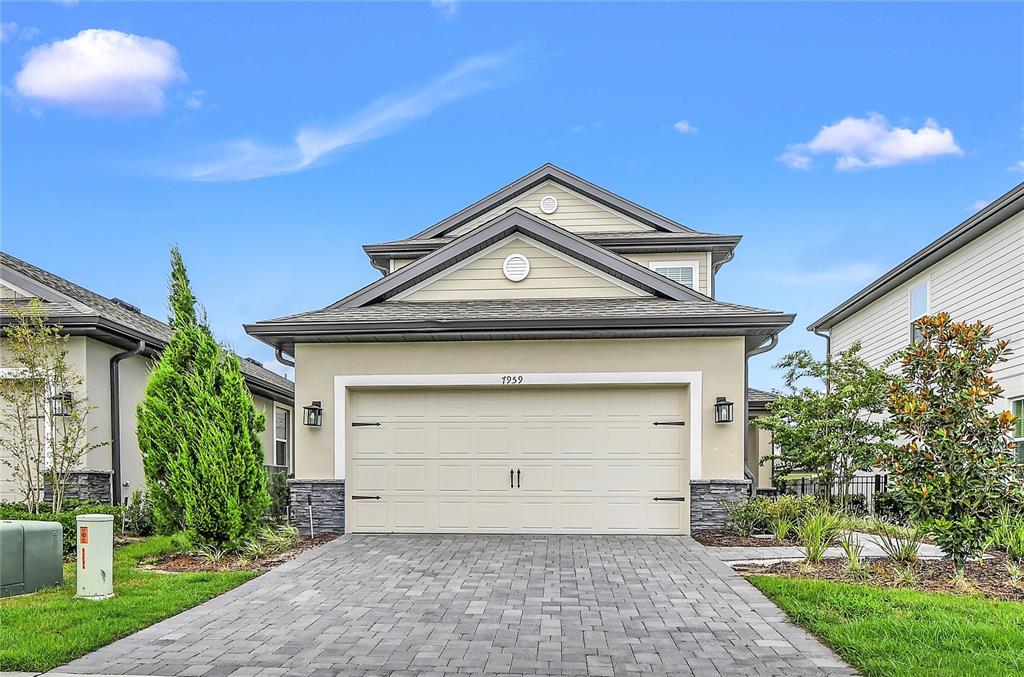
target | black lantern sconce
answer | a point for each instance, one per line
(313, 414)
(62, 404)
(723, 410)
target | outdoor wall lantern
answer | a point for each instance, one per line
(313, 414)
(723, 410)
(62, 404)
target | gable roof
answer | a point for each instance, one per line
(550, 172)
(519, 221)
(994, 214)
(81, 311)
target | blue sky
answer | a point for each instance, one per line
(837, 139)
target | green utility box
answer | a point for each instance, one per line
(31, 556)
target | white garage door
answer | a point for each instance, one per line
(518, 460)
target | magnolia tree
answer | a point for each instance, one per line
(956, 468)
(199, 432)
(831, 433)
(44, 430)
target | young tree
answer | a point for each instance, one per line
(199, 431)
(831, 433)
(44, 430)
(956, 468)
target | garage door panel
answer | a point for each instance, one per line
(590, 460)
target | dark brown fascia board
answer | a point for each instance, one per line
(1005, 207)
(558, 175)
(513, 221)
(720, 246)
(284, 333)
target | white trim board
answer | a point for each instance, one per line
(693, 379)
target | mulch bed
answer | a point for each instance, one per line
(184, 562)
(988, 579)
(725, 539)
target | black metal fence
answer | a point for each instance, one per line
(861, 490)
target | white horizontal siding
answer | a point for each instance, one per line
(983, 280)
(575, 213)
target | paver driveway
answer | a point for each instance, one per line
(472, 605)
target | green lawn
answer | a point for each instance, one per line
(904, 632)
(51, 627)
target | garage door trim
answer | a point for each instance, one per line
(693, 379)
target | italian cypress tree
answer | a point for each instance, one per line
(199, 432)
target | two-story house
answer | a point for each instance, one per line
(550, 359)
(973, 272)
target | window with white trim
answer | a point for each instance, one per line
(918, 308)
(282, 437)
(683, 272)
(1017, 409)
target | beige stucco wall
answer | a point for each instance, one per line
(719, 359)
(575, 212)
(759, 445)
(551, 276)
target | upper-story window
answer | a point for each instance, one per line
(918, 308)
(1017, 408)
(683, 272)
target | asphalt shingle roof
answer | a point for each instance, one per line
(87, 303)
(512, 309)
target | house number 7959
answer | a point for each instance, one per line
(511, 380)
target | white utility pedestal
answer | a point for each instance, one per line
(95, 570)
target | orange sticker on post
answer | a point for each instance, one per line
(83, 535)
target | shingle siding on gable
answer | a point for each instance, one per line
(550, 277)
(983, 280)
(575, 213)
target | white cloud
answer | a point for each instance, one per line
(862, 143)
(195, 99)
(9, 30)
(1017, 166)
(101, 71)
(978, 205)
(684, 127)
(851, 273)
(248, 159)
(448, 8)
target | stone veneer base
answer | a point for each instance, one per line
(326, 498)
(710, 499)
(93, 486)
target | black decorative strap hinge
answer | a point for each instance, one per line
(366, 498)
(679, 423)
(360, 424)
(670, 498)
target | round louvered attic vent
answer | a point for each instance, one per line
(516, 267)
(549, 204)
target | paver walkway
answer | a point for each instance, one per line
(480, 605)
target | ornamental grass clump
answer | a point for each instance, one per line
(818, 532)
(899, 544)
(1008, 535)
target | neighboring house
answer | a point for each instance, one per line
(973, 272)
(759, 442)
(549, 359)
(112, 345)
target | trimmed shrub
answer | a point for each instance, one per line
(138, 516)
(67, 518)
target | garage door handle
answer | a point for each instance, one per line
(511, 478)
(518, 478)
(679, 423)
(361, 424)
(366, 498)
(670, 498)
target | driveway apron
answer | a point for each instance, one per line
(480, 605)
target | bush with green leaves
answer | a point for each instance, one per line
(764, 514)
(138, 516)
(956, 468)
(819, 531)
(199, 432)
(67, 518)
(277, 487)
(1008, 535)
(830, 433)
